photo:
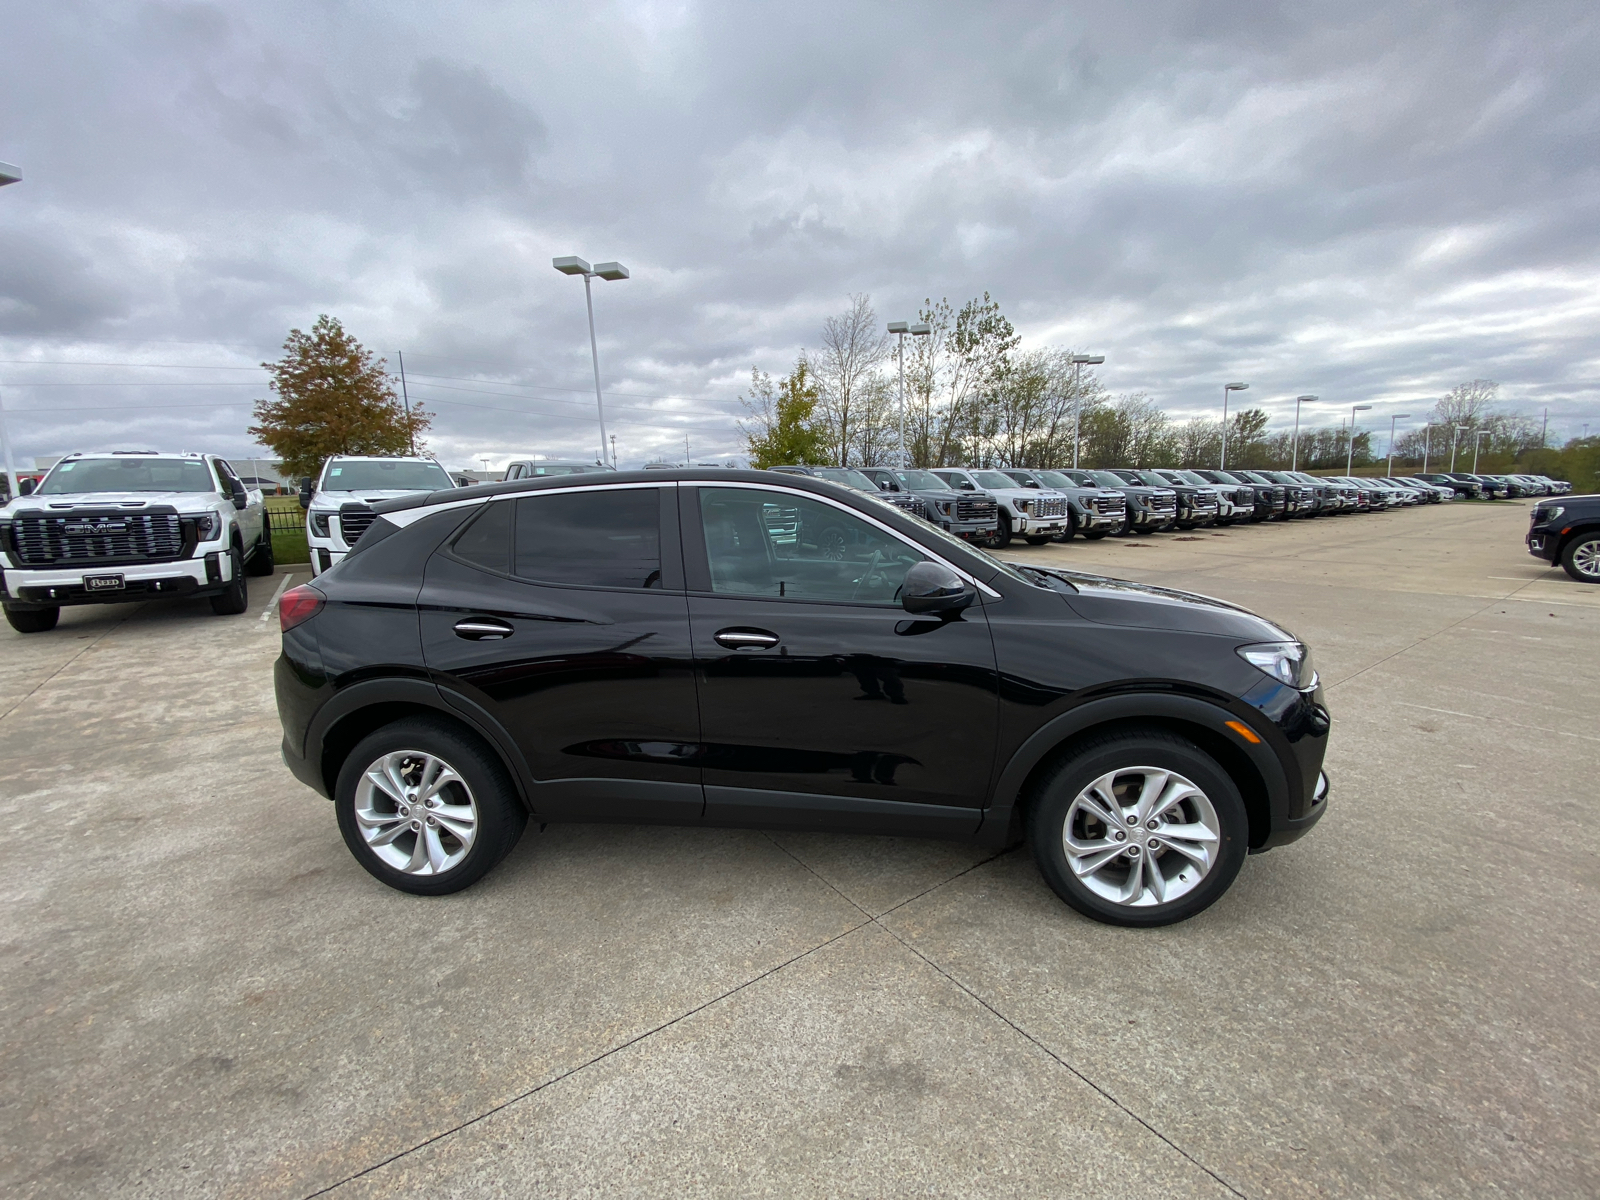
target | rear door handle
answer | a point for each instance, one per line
(745, 639)
(483, 629)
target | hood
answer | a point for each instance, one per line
(1107, 601)
(1144, 489)
(332, 499)
(126, 501)
(943, 497)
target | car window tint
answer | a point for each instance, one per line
(486, 542)
(773, 544)
(609, 538)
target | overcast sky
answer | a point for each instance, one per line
(1370, 203)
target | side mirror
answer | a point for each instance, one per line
(305, 491)
(25, 486)
(885, 486)
(932, 587)
(241, 498)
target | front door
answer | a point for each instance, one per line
(563, 615)
(822, 701)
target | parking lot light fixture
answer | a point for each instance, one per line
(573, 265)
(1454, 439)
(1392, 419)
(1477, 444)
(1077, 361)
(1226, 388)
(900, 329)
(1427, 444)
(1294, 462)
(8, 174)
(1350, 450)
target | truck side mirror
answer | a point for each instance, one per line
(305, 491)
(241, 498)
(25, 486)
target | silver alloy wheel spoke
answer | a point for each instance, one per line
(416, 813)
(1141, 836)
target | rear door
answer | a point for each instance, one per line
(562, 614)
(822, 701)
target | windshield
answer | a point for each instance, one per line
(1021, 478)
(850, 479)
(385, 475)
(994, 479)
(1107, 479)
(543, 469)
(129, 474)
(1057, 479)
(1193, 477)
(922, 481)
(1152, 479)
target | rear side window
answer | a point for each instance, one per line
(486, 542)
(609, 538)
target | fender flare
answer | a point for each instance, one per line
(1001, 820)
(417, 693)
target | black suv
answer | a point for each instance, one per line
(665, 647)
(1566, 530)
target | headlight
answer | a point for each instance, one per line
(1022, 505)
(319, 524)
(945, 506)
(1287, 662)
(207, 526)
(1541, 515)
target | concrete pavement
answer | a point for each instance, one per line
(202, 994)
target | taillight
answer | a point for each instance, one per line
(298, 606)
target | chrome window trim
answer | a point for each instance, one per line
(408, 516)
(854, 512)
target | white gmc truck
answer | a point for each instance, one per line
(339, 501)
(131, 525)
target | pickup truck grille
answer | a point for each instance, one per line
(69, 539)
(970, 508)
(1050, 506)
(1162, 504)
(1110, 506)
(353, 522)
(915, 505)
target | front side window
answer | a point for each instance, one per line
(606, 538)
(776, 545)
(131, 474)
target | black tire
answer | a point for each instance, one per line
(1034, 539)
(1053, 800)
(32, 620)
(1580, 558)
(237, 598)
(1094, 535)
(1126, 527)
(500, 816)
(1070, 532)
(261, 560)
(1143, 530)
(1002, 537)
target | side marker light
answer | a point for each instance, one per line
(1243, 731)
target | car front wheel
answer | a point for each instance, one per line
(237, 597)
(426, 807)
(1139, 829)
(1581, 558)
(32, 620)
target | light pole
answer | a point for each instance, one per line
(1392, 419)
(900, 329)
(1427, 444)
(1226, 388)
(8, 174)
(1350, 450)
(573, 265)
(1294, 464)
(1454, 438)
(1078, 360)
(1476, 443)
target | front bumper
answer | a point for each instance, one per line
(324, 555)
(59, 587)
(1160, 520)
(1544, 543)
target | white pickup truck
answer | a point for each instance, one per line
(131, 525)
(339, 501)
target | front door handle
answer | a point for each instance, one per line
(745, 639)
(483, 629)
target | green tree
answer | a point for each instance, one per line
(333, 398)
(783, 428)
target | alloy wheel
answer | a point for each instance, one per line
(1141, 836)
(416, 813)
(1586, 558)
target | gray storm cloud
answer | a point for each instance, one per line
(1366, 202)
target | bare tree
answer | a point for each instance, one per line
(853, 350)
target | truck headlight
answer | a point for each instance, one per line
(1022, 506)
(947, 507)
(1287, 662)
(319, 524)
(207, 526)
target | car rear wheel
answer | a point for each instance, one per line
(261, 561)
(237, 598)
(32, 620)
(1139, 829)
(1579, 559)
(426, 807)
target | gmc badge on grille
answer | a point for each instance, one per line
(96, 527)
